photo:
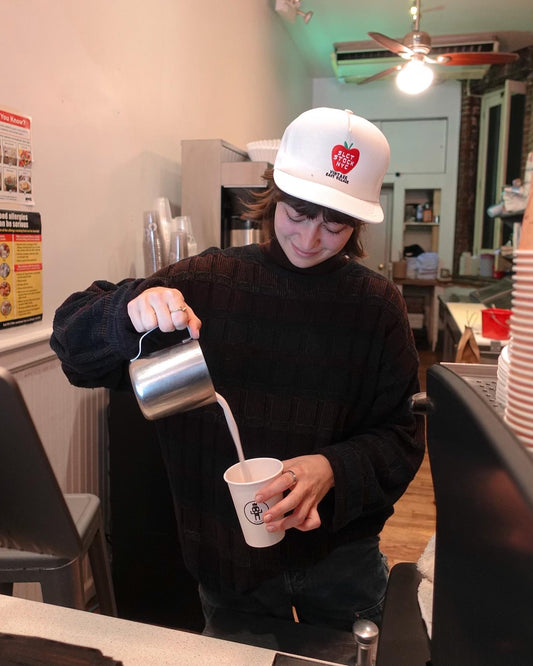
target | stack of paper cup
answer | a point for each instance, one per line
(519, 405)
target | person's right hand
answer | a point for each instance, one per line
(165, 308)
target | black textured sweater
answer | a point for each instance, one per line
(318, 360)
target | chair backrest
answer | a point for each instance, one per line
(483, 481)
(33, 513)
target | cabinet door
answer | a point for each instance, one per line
(376, 238)
(417, 146)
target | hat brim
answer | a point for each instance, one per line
(319, 194)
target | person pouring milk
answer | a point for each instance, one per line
(314, 355)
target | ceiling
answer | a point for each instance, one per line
(350, 20)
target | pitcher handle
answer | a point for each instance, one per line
(145, 334)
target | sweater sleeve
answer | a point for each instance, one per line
(374, 466)
(93, 336)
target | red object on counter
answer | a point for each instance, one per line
(495, 323)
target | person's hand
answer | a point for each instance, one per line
(309, 479)
(165, 308)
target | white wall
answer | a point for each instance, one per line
(113, 86)
(382, 100)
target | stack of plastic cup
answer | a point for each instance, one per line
(162, 206)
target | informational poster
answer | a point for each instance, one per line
(21, 299)
(15, 159)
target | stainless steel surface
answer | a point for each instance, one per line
(243, 232)
(482, 377)
(172, 380)
(243, 174)
(208, 165)
(244, 236)
(366, 635)
(420, 403)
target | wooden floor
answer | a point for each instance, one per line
(407, 532)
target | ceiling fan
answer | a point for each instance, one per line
(416, 49)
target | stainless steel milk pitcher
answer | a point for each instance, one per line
(175, 379)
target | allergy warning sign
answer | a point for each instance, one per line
(21, 294)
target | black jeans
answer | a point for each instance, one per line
(346, 586)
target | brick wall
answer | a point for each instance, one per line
(467, 173)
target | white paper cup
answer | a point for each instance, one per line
(524, 301)
(519, 380)
(521, 355)
(523, 317)
(243, 485)
(524, 434)
(522, 327)
(521, 400)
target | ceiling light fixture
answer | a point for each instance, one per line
(415, 77)
(290, 9)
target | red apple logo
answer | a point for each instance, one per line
(344, 158)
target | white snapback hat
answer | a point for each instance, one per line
(335, 159)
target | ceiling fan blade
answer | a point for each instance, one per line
(481, 58)
(391, 44)
(381, 75)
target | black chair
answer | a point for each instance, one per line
(44, 534)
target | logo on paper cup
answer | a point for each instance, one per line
(253, 512)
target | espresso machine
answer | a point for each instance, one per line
(236, 229)
(218, 179)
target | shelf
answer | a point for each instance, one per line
(518, 213)
(416, 282)
(421, 224)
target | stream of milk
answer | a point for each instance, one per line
(234, 430)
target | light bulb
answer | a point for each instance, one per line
(414, 78)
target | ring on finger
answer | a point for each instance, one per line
(294, 479)
(183, 308)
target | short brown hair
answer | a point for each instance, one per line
(263, 208)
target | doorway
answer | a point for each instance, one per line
(376, 238)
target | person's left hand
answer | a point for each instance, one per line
(309, 479)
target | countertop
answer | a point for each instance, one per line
(469, 314)
(132, 643)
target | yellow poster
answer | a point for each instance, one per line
(21, 300)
